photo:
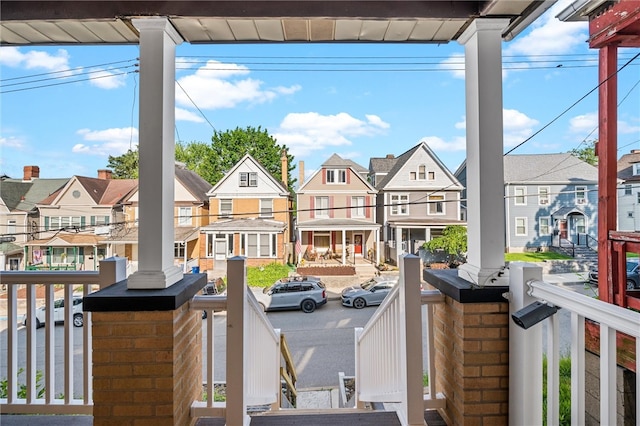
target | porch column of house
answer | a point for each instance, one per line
(607, 152)
(482, 42)
(158, 40)
(398, 244)
(376, 255)
(344, 246)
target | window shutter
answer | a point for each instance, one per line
(46, 223)
(324, 176)
(348, 176)
(312, 213)
(93, 220)
(331, 206)
(367, 209)
(106, 220)
(348, 205)
(83, 221)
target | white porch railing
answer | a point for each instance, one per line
(388, 350)
(253, 351)
(56, 399)
(525, 350)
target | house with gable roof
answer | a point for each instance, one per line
(336, 213)
(629, 191)
(550, 200)
(251, 213)
(74, 220)
(191, 212)
(19, 216)
(417, 198)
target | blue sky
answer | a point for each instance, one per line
(357, 100)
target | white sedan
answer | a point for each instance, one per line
(58, 313)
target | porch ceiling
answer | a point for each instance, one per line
(109, 22)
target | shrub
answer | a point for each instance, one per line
(565, 391)
(22, 388)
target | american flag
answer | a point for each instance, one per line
(298, 246)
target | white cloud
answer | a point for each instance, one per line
(34, 59)
(304, 133)
(11, 142)
(455, 63)
(107, 79)
(626, 128)
(106, 142)
(550, 36)
(439, 144)
(184, 115)
(517, 126)
(218, 85)
(584, 123)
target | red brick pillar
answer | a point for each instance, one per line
(472, 351)
(147, 362)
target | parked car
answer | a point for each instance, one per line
(58, 313)
(369, 293)
(633, 274)
(306, 293)
(213, 288)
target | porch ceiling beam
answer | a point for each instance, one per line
(30, 10)
(620, 24)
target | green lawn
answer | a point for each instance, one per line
(534, 257)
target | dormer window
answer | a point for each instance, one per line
(636, 169)
(336, 176)
(248, 179)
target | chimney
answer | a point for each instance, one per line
(301, 171)
(635, 151)
(284, 168)
(390, 156)
(105, 174)
(30, 173)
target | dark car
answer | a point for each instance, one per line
(633, 274)
(306, 293)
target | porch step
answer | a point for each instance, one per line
(334, 417)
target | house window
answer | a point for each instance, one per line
(431, 175)
(520, 193)
(322, 207)
(11, 227)
(436, 204)
(211, 244)
(636, 169)
(248, 179)
(399, 204)
(412, 176)
(59, 222)
(543, 195)
(630, 214)
(544, 225)
(266, 207)
(581, 227)
(135, 215)
(521, 226)
(357, 206)
(627, 190)
(336, 176)
(581, 195)
(184, 216)
(178, 250)
(259, 245)
(226, 207)
(321, 241)
(422, 172)
(64, 255)
(99, 220)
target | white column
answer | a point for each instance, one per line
(158, 41)
(376, 257)
(399, 250)
(344, 246)
(485, 176)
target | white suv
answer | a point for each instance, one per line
(58, 313)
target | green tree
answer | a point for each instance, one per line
(587, 153)
(453, 241)
(124, 166)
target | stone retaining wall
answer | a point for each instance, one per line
(563, 266)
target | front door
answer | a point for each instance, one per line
(563, 229)
(357, 244)
(221, 249)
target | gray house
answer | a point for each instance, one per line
(629, 191)
(417, 198)
(550, 200)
